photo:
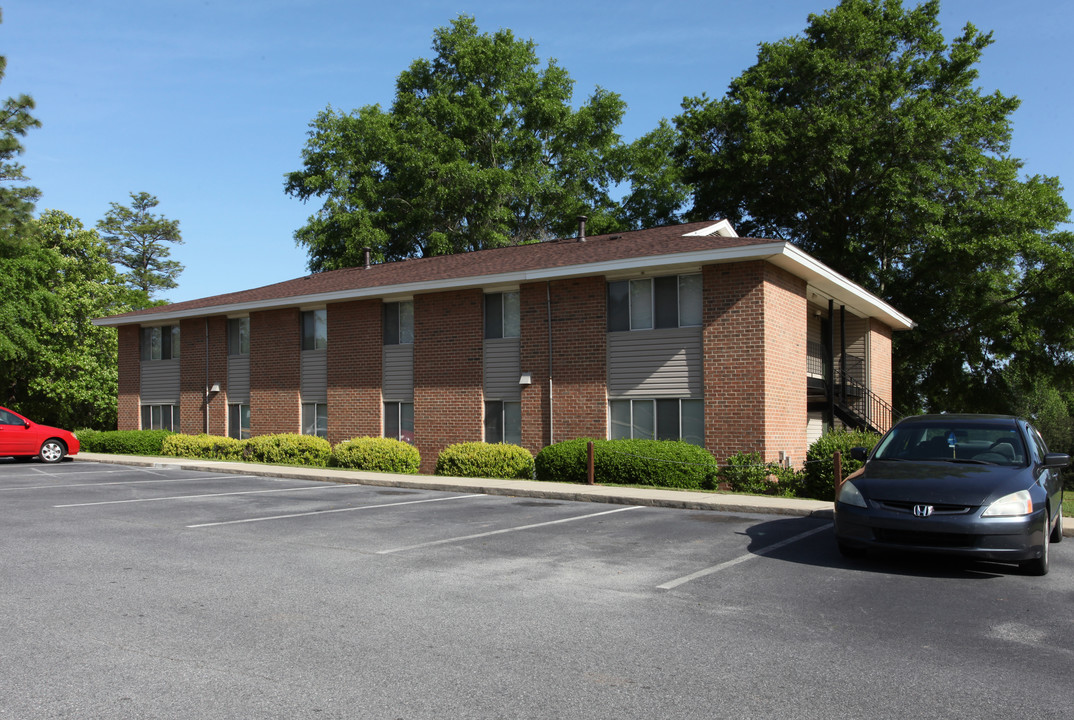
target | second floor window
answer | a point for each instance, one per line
(314, 329)
(664, 302)
(160, 343)
(502, 315)
(238, 336)
(399, 323)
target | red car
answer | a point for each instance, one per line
(24, 439)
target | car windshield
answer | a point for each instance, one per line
(998, 443)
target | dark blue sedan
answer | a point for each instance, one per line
(979, 486)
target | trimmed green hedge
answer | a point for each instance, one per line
(376, 454)
(818, 476)
(485, 460)
(287, 449)
(123, 442)
(660, 463)
(206, 447)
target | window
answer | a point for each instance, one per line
(314, 329)
(315, 419)
(399, 323)
(160, 343)
(160, 417)
(238, 336)
(399, 421)
(663, 302)
(503, 422)
(238, 421)
(502, 315)
(661, 419)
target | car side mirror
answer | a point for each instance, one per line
(859, 453)
(1056, 461)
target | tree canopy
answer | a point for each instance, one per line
(867, 143)
(139, 241)
(16, 199)
(481, 148)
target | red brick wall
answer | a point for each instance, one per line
(754, 347)
(130, 377)
(533, 358)
(355, 357)
(579, 359)
(192, 377)
(448, 371)
(275, 371)
(880, 363)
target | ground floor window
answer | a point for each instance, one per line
(315, 419)
(160, 417)
(503, 422)
(238, 421)
(658, 419)
(399, 421)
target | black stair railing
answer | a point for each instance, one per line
(872, 411)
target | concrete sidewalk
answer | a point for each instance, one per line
(654, 497)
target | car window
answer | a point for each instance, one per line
(9, 418)
(998, 443)
(1039, 447)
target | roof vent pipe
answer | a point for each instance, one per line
(581, 227)
(366, 251)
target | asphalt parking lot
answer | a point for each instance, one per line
(171, 593)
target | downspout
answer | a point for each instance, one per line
(548, 304)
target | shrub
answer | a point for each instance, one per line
(485, 460)
(818, 479)
(748, 473)
(208, 447)
(287, 449)
(123, 442)
(376, 454)
(660, 463)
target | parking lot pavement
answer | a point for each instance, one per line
(164, 591)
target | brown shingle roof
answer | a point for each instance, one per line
(564, 253)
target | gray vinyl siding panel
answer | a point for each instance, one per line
(397, 384)
(238, 379)
(655, 363)
(160, 382)
(502, 369)
(314, 376)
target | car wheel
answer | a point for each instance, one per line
(849, 551)
(1057, 530)
(1038, 566)
(52, 451)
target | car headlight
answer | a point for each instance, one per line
(850, 495)
(1013, 505)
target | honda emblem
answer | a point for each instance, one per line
(922, 510)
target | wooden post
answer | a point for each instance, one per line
(589, 463)
(837, 462)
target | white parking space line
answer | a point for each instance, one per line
(333, 510)
(505, 530)
(125, 482)
(751, 556)
(207, 495)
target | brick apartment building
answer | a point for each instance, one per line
(689, 332)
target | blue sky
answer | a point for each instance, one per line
(206, 103)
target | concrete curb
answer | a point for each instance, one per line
(655, 497)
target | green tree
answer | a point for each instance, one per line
(658, 193)
(139, 241)
(55, 365)
(16, 199)
(867, 143)
(480, 149)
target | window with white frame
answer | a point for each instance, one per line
(315, 419)
(658, 419)
(399, 323)
(503, 422)
(502, 318)
(238, 421)
(160, 343)
(160, 417)
(314, 329)
(646, 303)
(399, 421)
(238, 336)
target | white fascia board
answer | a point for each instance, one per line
(781, 254)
